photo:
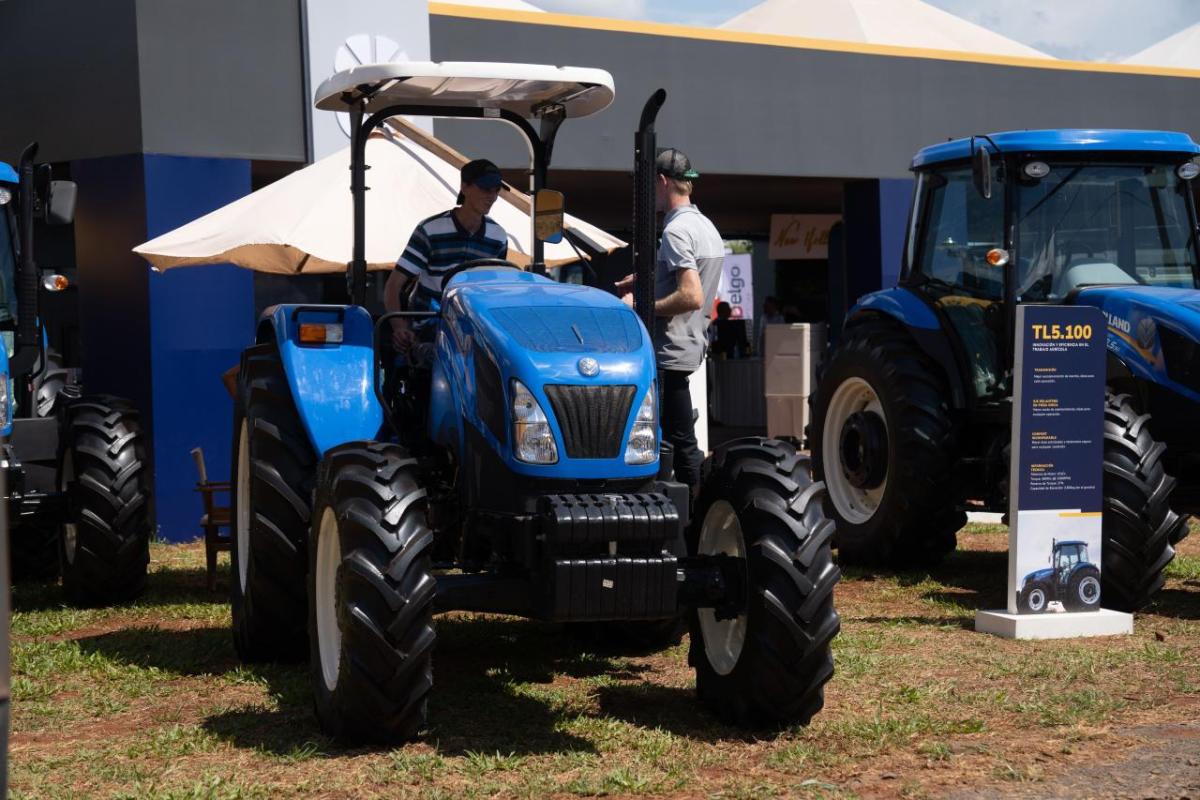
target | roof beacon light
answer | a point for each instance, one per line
(1036, 169)
(997, 257)
(1188, 170)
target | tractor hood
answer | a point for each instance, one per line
(580, 351)
(1154, 331)
(1039, 576)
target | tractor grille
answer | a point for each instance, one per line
(591, 418)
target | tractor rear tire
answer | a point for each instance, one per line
(1083, 590)
(48, 394)
(371, 592)
(1139, 525)
(884, 445)
(105, 540)
(273, 473)
(768, 665)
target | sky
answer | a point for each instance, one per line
(1084, 30)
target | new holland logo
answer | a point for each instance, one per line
(1147, 333)
(588, 366)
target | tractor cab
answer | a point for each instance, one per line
(1066, 556)
(1037, 217)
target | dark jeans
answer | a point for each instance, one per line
(678, 425)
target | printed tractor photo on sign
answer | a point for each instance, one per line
(1066, 577)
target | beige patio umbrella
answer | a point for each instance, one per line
(303, 224)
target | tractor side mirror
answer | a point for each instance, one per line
(548, 216)
(981, 171)
(60, 205)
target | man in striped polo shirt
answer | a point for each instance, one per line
(464, 233)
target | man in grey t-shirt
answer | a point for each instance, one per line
(686, 276)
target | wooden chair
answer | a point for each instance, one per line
(215, 517)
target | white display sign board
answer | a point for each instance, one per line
(1056, 476)
(736, 287)
(801, 236)
(341, 34)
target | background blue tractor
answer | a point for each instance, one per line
(912, 414)
(76, 471)
(1071, 579)
(517, 471)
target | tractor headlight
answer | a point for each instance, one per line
(533, 441)
(642, 447)
(5, 195)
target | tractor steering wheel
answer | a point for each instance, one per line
(477, 263)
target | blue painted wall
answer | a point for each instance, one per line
(200, 319)
(162, 340)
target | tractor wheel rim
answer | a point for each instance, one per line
(1089, 590)
(1037, 600)
(70, 531)
(329, 635)
(243, 504)
(721, 533)
(854, 399)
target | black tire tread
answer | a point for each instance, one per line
(269, 617)
(1140, 529)
(791, 621)
(386, 592)
(920, 527)
(109, 501)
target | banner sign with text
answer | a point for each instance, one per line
(801, 236)
(736, 287)
(1057, 460)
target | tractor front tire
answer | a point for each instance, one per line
(1034, 599)
(1139, 525)
(371, 593)
(883, 443)
(766, 663)
(273, 472)
(103, 471)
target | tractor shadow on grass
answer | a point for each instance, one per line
(965, 579)
(1177, 603)
(165, 586)
(494, 686)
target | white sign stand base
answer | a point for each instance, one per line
(1054, 626)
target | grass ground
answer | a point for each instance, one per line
(149, 700)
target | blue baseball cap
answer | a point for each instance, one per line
(481, 173)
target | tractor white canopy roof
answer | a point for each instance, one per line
(523, 89)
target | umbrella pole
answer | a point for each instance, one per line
(356, 277)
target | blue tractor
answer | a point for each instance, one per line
(517, 471)
(912, 414)
(1071, 580)
(75, 468)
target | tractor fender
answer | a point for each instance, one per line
(923, 324)
(331, 384)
